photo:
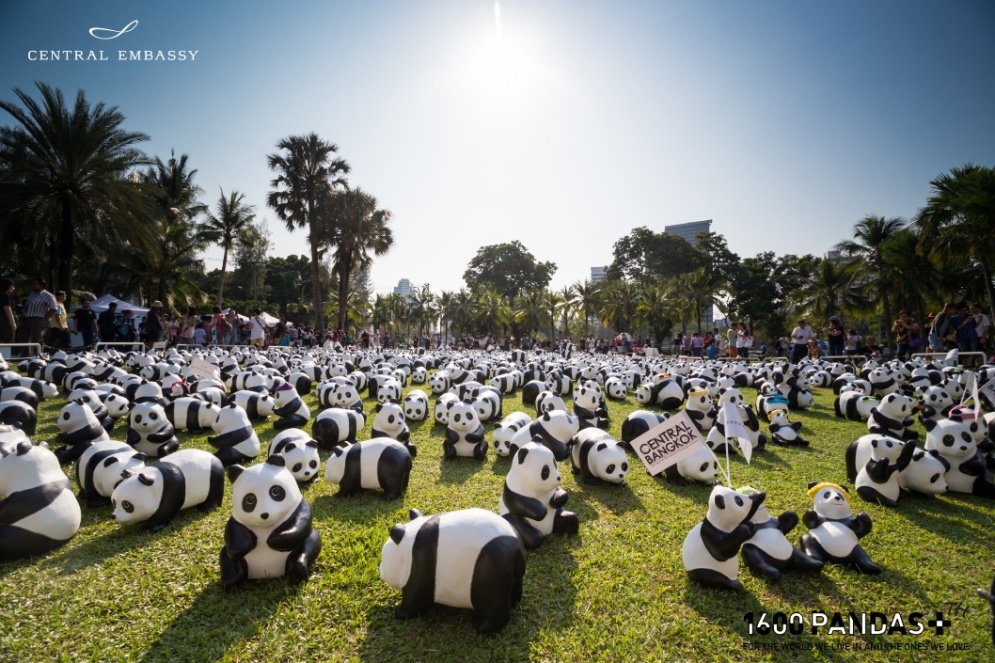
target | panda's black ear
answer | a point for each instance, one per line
(234, 472)
(522, 453)
(414, 513)
(812, 484)
(397, 534)
(930, 424)
(290, 446)
(23, 448)
(279, 461)
(602, 446)
(720, 501)
(313, 444)
(378, 407)
(145, 479)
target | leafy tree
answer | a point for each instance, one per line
(508, 268)
(644, 254)
(64, 172)
(764, 290)
(233, 217)
(250, 258)
(830, 291)
(588, 300)
(530, 312)
(286, 278)
(307, 175)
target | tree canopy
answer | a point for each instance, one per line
(509, 269)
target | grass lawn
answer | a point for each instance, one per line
(618, 591)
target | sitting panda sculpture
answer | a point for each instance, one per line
(532, 500)
(877, 480)
(389, 421)
(149, 430)
(464, 434)
(300, 453)
(768, 553)
(784, 432)
(378, 464)
(711, 549)
(469, 559)
(953, 441)
(334, 426)
(270, 533)
(893, 417)
(78, 429)
(290, 408)
(834, 533)
(235, 439)
(416, 405)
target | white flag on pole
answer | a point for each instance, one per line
(734, 427)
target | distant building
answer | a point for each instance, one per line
(598, 273)
(689, 230)
(404, 288)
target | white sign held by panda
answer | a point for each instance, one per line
(735, 427)
(204, 369)
(665, 444)
(988, 390)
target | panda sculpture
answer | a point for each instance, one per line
(155, 494)
(590, 412)
(925, 474)
(936, 401)
(259, 406)
(487, 402)
(379, 464)
(768, 553)
(547, 401)
(464, 434)
(99, 468)
(554, 429)
(505, 383)
(700, 467)
(893, 417)
(299, 451)
(638, 423)
(191, 414)
(701, 409)
(38, 511)
(334, 426)
(389, 390)
(290, 408)
(470, 559)
(877, 480)
(598, 458)
(235, 439)
(416, 405)
(149, 430)
(668, 394)
(768, 403)
(711, 549)
(531, 391)
(505, 432)
(439, 382)
(784, 432)
(270, 533)
(78, 429)
(20, 414)
(852, 404)
(834, 533)
(389, 422)
(953, 441)
(532, 499)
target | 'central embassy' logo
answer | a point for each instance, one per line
(107, 34)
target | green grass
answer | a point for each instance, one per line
(618, 591)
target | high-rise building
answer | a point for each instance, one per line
(689, 230)
(598, 273)
(404, 288)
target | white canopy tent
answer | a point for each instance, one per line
(101, 304)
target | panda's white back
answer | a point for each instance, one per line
(369, 459)
(462, 535)
(195, 464)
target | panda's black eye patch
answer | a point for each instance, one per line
(138, 419)
(610, 469)
(313, 464)
(298, 467)
(934, 478)
(128, 506)
(249, 503)
(948, 440)
(277, 493)
(827, 495)
(739, 501)
(545, 472)
(966, 437)
(65, 416)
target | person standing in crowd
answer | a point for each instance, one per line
(39, 308)
(906, 332)
(153, 324)
(232, 337)
(800, 336)
(742, 351)
(217, 329)
(981, 326)
(967, 335)
(86, 323)
(835, 336)
(258, 334)
(126, 330)
(58, 324)
(731, 339)
(8, 318)
(942, 334)
(190, 323)
(107, 323)
(852, 346)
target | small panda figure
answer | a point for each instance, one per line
(505, 383)
(464, 434)
(954, 442)
(700, 467)
(767, 403)
(19, 414)
(439, 382)
(531, 391)
(505, 432)
(419, 375)
(615, 388)
(554, 429)
(389, 422)
(470, 559)
(90, 398)
(638, 423)
(852, 404)
(877, 480)
(488, 405)
(259, 406)
(711, 548)
(442, 405)
(38, 511)
(79, 428)
(299, 451)
(235, 440)
(701, 409)
(290, 408)
(416, 405)
(334, 426)
(667, 394)
(191, 414)
(925, 474)
(893, 417)
(547, 401)
(936, 401)
(597, 458)
(833, 532)
(389, 390)
(380, 464)
(99, 468)
(149, 430)
(270, 533)
(589, 410)
(768, 553)
(784, 432)
(532, 500)
(155, 494)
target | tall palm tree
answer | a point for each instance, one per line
(701, 287)
(654, 308)
(916, 277)
(618, 306)
(588, 299)
(567, 306)
(829, 292)
(464, 307)
(307, 175)
(233, 218)
(444, 304)
(958, 221)
(551, 302)
(358, 230)
(66, 171)
(866, 251)
(493, 311)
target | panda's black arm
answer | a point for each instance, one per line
(476, 436)
(695, 415)
(294, 529)
(811, 519)
(905, 457)
(559, 498)
(132, 438)
(239, 539)
(452, 437)
(520, 505)
(797, 425)
(164, 434)
(725, 545)
(879, 470)
(974, 467)
(787, 521)
(861, 525)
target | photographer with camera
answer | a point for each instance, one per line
(906, 332)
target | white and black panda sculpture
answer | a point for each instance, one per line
(154, 495)
(893, 417)
(505, 431)
(470, 559)
(191, 414)
(953, 441)
(464, 434)
(615, 388)
(701, 409)
(877, 480)
(334, 426)
(270, 533)
(259, 406)
(416, 405)
(78, 429)
(389, 421)
(768, 553)
(785, 432)
(38, 512)
(235, 439)
(532, 499)
(711, 548)
(290, 408)
(834, 533)
(99, 468)
(149, 430)
(553, 429)
(854, 405)
(299, 451)
(588, 408)
(380, 464)
(640, 422)
(597, 458)
(700, 467)
(488, 404)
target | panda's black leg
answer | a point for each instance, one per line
(70, 453)
(859, 558)
(412, 449)
(530, 536)
(714, 579)
(801, 441)
(812, 548)
(480, 450)
(760, 563)
(233, 571)
(215, 490)
(566, 522)
(414, 603)
(674, 477)
(301, 560)
(983, 488)
(229, 456)
(802, 562)
(870, 494)
(167, 448)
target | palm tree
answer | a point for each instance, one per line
(551, 302)
(959, 220)
(493, 311)
(234, 216)
(358, 230)
(65, 173)
(444, 304)
(618, 306)
(700, 288)
(654, 307)
(588, 299)
(464, 307)
(567, 306)
(307, 176)
(866, 251)
(530, 310)
(915, 277)
(830, 292)
(380, 311)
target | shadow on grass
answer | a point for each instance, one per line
(218, 620)
(459, 469)
(953, 516)
(617, 499)
(362, 507)
(548, 598)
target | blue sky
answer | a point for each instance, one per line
(563, 124)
